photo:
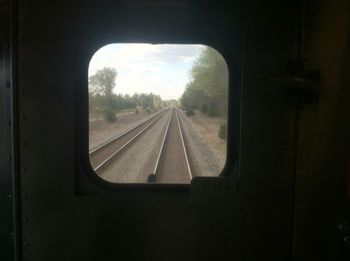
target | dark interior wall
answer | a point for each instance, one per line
(59, 223)
(322, 201)
(7, 157)
(268, 118)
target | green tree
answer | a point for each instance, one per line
(103, 82)
(207, 90)
(103, 100)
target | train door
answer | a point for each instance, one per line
(64, 211)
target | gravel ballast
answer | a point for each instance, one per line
(206, 157)
(100, 131)
(205, 150)
(138, 161)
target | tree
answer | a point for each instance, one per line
(103, 100)
(103, 82)
(207, 90)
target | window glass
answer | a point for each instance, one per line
(157, 112)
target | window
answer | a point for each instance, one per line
(157, 112)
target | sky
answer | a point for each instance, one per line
(162, 69)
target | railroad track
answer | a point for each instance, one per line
(172, 165)
(104, 154)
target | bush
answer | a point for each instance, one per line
(204, 108)
(189, 112)
(223, 131)
(109, 115)
(212, 112)
(136, 111)
(148, 110)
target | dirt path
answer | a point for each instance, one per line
(209, 129)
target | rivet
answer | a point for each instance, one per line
(9, 122)
(9, 158)
(25, 219)
(9, 195)
(12, 234)
(8, 85)
(23, 118)
(25, 194)
(24, 144)
(24, 169)
(25, 244)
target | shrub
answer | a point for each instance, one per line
(109, 115)
(136, 111)
(189, 112)
(148, 110)
(212, 112)
(204, 108)
(223, 131)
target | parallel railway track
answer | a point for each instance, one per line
(170, 161)
(172, 165)
(104, 154)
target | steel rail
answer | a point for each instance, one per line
(161, 151)
(183, 145)
(162, 146)
(127, 143)
(124, 132)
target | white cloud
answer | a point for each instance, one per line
(160, 69)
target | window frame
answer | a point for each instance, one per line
(86, 180)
